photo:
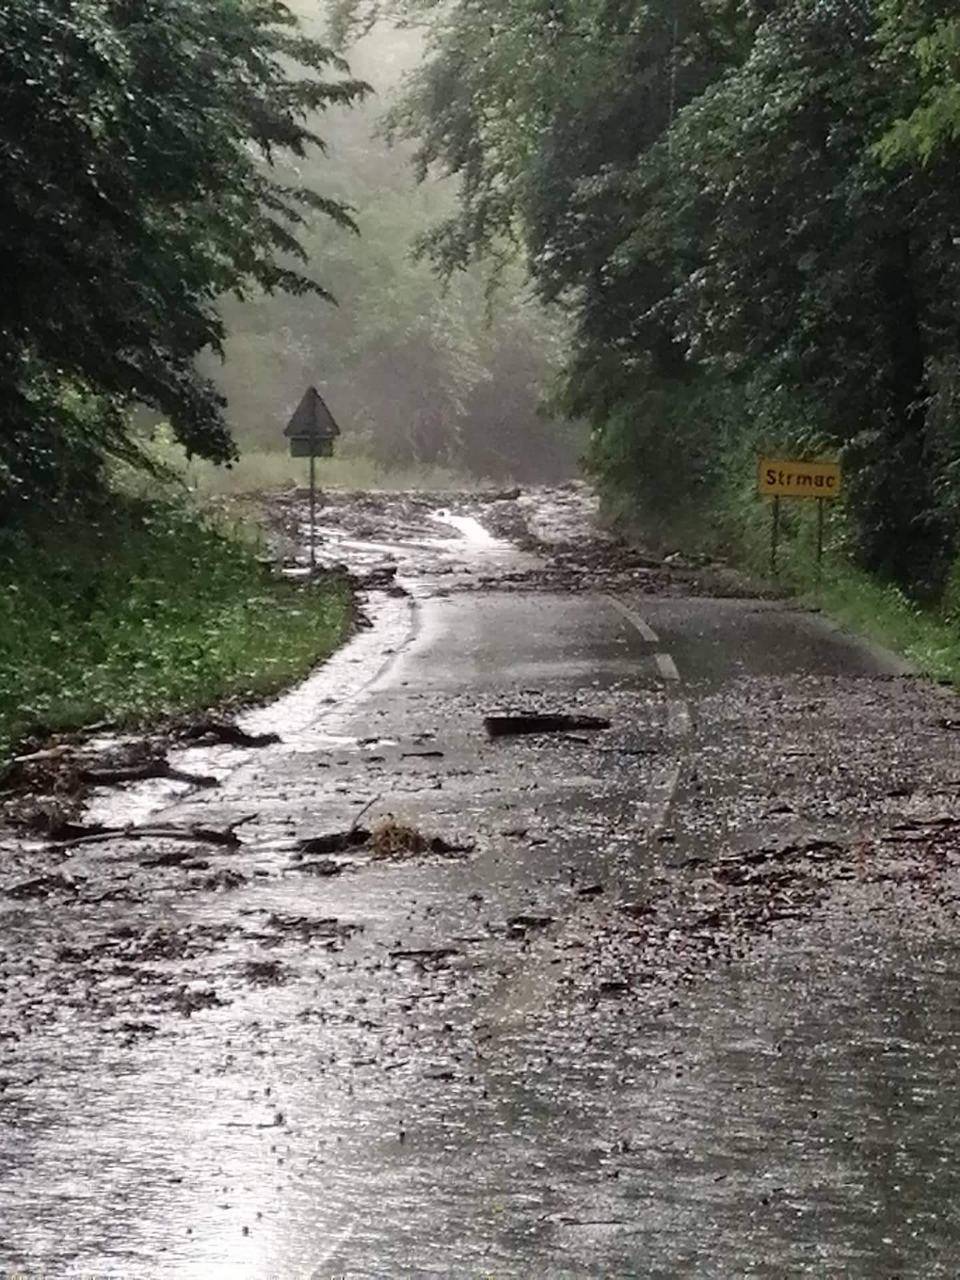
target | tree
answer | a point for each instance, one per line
(542, 114)
(700, 185)
(824, 272)
(922, 38)
(136, 138)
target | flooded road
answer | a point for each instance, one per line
(675, 996)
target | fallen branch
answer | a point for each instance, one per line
(219, 731)
(354, 837)
(363, 812)
(335, 842)
(50, 753)
(502, 726)
(226, 836)
(143, 772)
(42, 886)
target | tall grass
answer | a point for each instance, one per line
(729, 520)
(260, 469)
(144, 610)
(927, 636)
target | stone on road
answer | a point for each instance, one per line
(672, 996)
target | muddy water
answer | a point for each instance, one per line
(422, 560)
(478, 1063)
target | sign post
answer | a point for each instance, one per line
(781, 479)
(311, 432)
(774, 534)
(313, 510)
(819, 543)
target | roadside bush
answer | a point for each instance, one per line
(141, 609)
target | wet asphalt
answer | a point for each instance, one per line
(675, 998)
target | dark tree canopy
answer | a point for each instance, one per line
(751, 212)
(136, 139)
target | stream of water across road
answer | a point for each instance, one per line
(669, 988)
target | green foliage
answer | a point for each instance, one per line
(140, 610)
(135, 190)
(709, 191)
(54, 451)
(930, 37)
(261, 470)
(926, 634)
(818, 265)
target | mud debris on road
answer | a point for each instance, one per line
(665, 984)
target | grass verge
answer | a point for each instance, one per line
(144, 610)
(928, 637)
(259, 469)
(737, 527)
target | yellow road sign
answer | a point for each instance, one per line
(779, 479)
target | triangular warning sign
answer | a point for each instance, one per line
(312, 418)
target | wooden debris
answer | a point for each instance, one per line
(501, 726)
(212, 732)
(42, 886)
(142, 772)
(396, 840)
(227, 836)
(335, 841)
(45, 756)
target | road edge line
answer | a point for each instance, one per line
(646, 631)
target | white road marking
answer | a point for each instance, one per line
(679, 719)
(634, 619)
(666, 666)
(332, 1250)
(661, 798)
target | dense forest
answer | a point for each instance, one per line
(183, 187)
(417, 370)
(199, 216)
(733, 224)
(748, 212)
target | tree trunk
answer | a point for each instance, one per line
(908, 538)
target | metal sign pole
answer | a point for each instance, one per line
(311, 432)
(313, 506)
(819, 543)
(774, 534)
(780, 478)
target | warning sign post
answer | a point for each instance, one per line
(778, 479)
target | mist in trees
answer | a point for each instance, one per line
(417, 369)
(174, 171)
